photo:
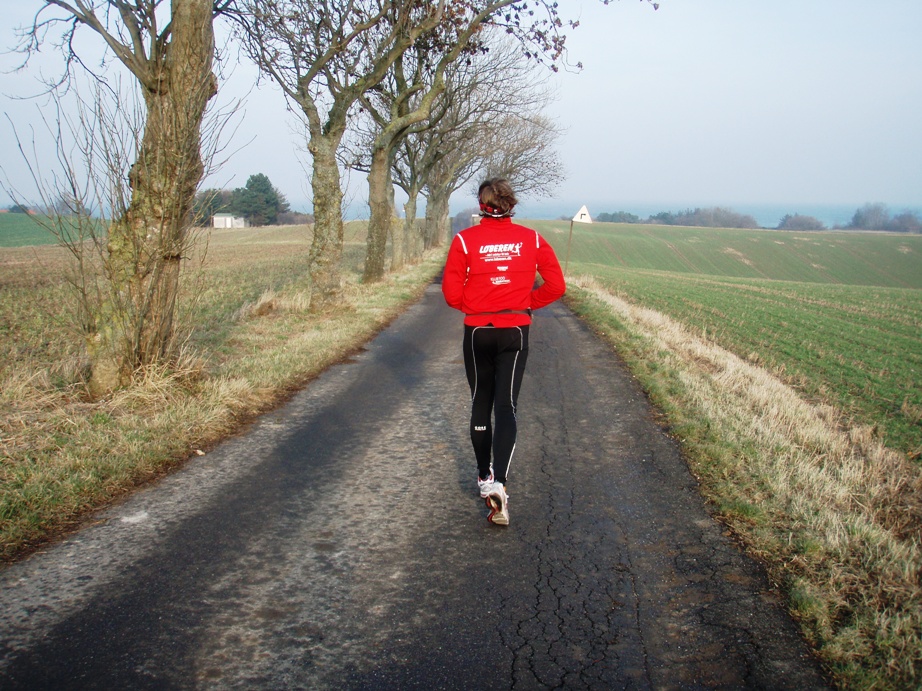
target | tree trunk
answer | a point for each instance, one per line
(429, 225)
(327, 245)
(444, 223)
(379, 201)
(400, 249)
(409, 225)
(146, 244)
(437, 223)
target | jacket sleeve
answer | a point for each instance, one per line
(455, 274)
(554, 285)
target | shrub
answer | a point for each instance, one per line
(618, 217)
(800, 222)
(712, 217)
(877, 217)
(870, 217)
(906, 222)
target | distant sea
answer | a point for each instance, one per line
(766, 215)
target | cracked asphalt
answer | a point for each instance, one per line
(341, 543)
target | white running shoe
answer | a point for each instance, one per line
(498, 502)
(485, 486)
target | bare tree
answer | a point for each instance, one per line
(387, 105)
(471, 99)
(96, 143)
(521, 149)
(450, 145)
(515, 140)
(325, 54)
(535, 26)
(366, 148)
(171, 58)
(489, 120)
(418, 81)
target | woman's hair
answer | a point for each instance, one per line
(496, 198)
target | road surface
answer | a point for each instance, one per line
(341, 543)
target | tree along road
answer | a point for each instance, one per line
(341, 543)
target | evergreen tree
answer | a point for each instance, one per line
(259, 202)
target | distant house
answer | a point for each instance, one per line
(229, 221)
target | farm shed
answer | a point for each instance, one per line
(229, 221)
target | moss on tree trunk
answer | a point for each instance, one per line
(134, 326)
(327, 244)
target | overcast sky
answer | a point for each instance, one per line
(703, 102)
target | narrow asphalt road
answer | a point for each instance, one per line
(341, 543)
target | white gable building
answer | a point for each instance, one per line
(229, 221)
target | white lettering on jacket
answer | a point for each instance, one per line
(512, 248)
(499, 253)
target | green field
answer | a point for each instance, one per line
(838, 315)
(20, 230)
(788, 367)
(871, 259)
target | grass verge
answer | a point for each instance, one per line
(835, 516)
(254, 344)
(858, 347)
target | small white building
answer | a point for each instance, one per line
(229, 221)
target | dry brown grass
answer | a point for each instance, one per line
(836, 516)
(255, 342)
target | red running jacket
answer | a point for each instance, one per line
(490, 273)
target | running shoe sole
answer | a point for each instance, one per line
(497, 516)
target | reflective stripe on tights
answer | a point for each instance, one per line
(494, 360)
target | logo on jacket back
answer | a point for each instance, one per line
(499, 253)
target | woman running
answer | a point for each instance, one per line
(490, 277)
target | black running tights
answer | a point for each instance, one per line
(494, 359)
